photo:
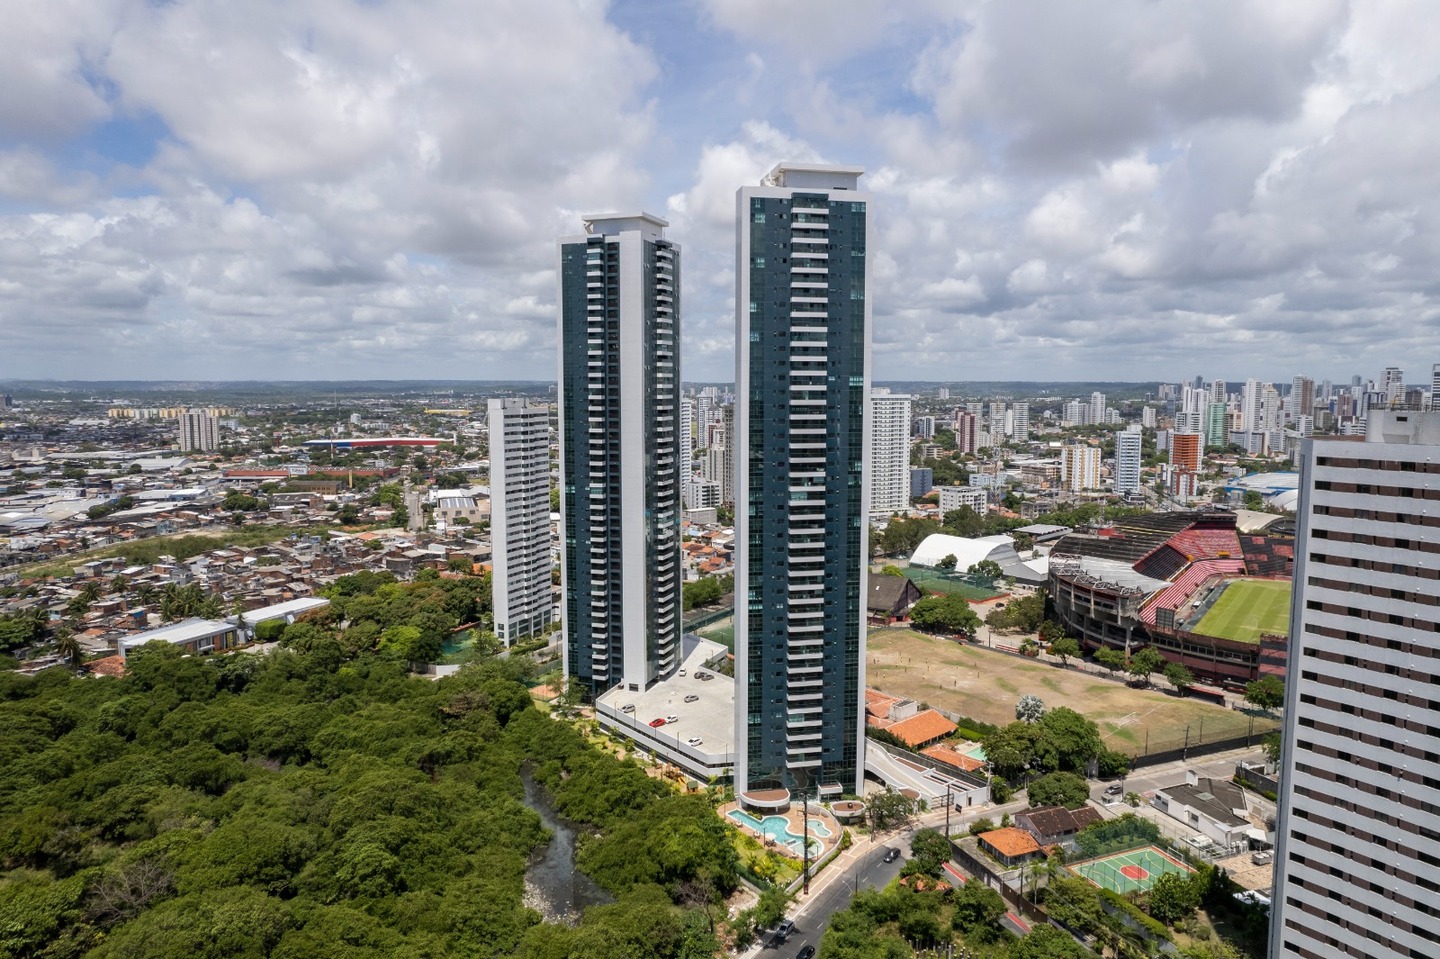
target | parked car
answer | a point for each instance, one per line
(672, 719)
(1114, 789)
(694, 741)
(657, 722)
(628, 708)
(782, 931)
(692, 698)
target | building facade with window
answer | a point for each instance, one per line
(802, 489)
(620, 460)
(889, 451)
(1358, 836)
(520, 517)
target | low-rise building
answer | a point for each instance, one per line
(193, 635)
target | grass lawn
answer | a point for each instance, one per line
(985, 684)
(1246, 609)
(722, 632)
(932, 582)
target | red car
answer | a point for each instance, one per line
(657, 722)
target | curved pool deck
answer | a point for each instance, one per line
(777, 829)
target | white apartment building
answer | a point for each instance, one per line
(1097, 407)
(687, 449)
(1020, 422)
(954, 497)
(1358, 836)
(890, 451)
(1250, 406)
(520, 517)
(199, 430)
(1127, 460)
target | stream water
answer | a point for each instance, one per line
(553, 886)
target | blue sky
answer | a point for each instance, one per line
(328, 189)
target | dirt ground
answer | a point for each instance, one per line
(985, 684)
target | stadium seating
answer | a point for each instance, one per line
(1178, 593)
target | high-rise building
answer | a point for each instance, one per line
(924, 427)
(1217, 422)
(1097, 407)
(1020, 423)
(802, 385)
(967, 426)
(687, 448)
(1435, 386)
(620, 459)
(1392, 383)
(943, 393)
(1250, 406)
(520, 517)
(1302, 397)
(1217, 391)
(1080, 467)
(1147, 417)
(889, 451)
(1077, 413)
(1358, 831)
(199, 430)
(1127, 460)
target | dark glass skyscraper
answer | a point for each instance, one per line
(802, 488)
(619, 452)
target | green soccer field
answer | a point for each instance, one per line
(1248, 608)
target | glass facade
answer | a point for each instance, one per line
(617, 440)
(805, 508)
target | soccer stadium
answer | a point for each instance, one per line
(1191, 584)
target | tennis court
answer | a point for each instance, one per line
(1134, 870)
(1248, 609)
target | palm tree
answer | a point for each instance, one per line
(67, 644)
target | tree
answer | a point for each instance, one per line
(1011, 749)
(946, 612)
(1179, 676)
(67, 645)
(1267, 692)
(986, 569)
(977, 906)
(1271, 744)
(947, 562)
(1047, 942)
(930, 851)
(891, 570)
(1064, 647)
(1173, 897)
(1030, 708)
(1059, 789)
(889, 808)
(1145, 662)
(1111, 659)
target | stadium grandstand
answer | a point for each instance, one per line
(1189, 584)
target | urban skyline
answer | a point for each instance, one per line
(170, 214)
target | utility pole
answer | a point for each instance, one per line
(948, 806)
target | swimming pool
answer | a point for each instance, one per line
(777, 828)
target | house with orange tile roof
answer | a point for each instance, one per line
(942, 753)
(1011, 846)
(922, 729)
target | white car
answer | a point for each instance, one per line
(694, 741)
(671, 719)
(628, 708)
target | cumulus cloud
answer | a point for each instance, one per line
(335, 189)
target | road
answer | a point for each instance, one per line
(869, 872)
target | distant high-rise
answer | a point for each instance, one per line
(1250, 406)
(1217, 391)
(1217, 423)
(1127, 460)
(1080, 467)
(520, 517)
(1020, 422)
(967, 426)
(620, 459)
(889, 451)
(1147, 417)
(687, 448)
(1097, 407)
(1302, 397)
(1435, 386)
(199, 431)
(1392, 384)
(802, 385)
(1358, 831)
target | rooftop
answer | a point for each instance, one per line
(1010, 841)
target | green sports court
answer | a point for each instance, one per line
(1134, 870)
(1248, 609)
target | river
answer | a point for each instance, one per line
(553, 886)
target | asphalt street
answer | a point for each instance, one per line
(870, 872)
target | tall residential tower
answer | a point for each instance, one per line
(520, 517)
(1358, 836)
(620, 452)
(802, 490)
(889, 451)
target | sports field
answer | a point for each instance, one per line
(931, 581)
(1246, 609)
(968, 679)
(1134, 870)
